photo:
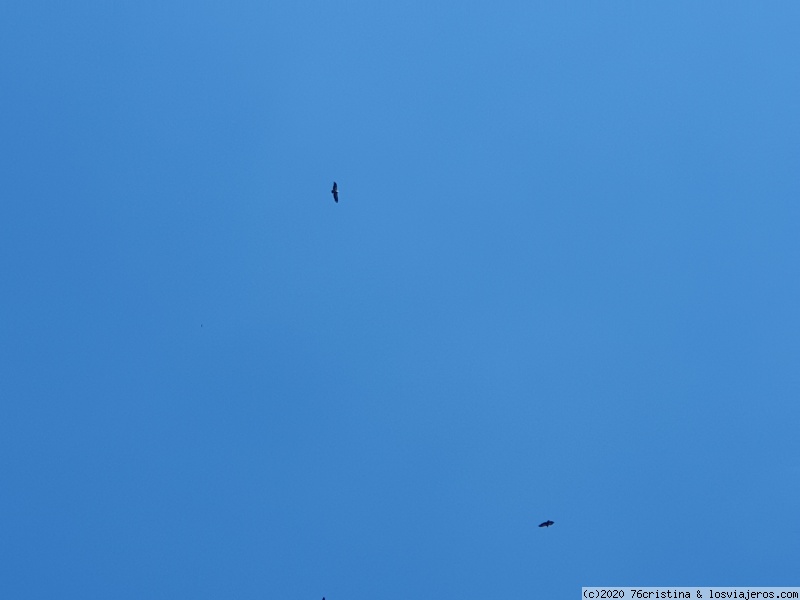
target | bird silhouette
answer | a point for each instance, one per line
(335, 192)
(545, 524)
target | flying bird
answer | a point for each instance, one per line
(546, 524)
(335, 192)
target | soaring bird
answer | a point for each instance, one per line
(546, 524)
(335, 192)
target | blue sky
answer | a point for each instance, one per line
(561, 283)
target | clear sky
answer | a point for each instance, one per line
(562, 282)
